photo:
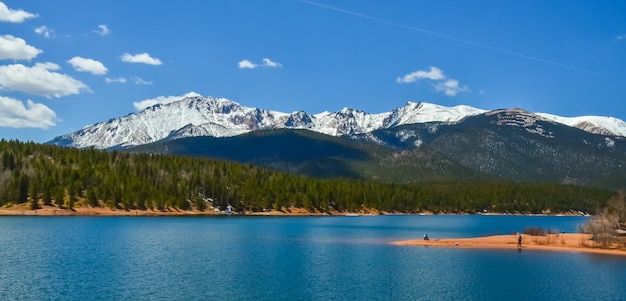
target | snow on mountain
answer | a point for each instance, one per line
(219, 117)
(609, 126)
(347, 122)
(421, 112)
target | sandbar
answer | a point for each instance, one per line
(563, 242)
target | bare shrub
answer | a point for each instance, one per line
(535, 231)
(602, 230)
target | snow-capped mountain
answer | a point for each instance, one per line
(220, 117)
(609, 126)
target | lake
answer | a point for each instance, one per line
(291, 258)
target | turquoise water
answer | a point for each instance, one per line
(290, 258)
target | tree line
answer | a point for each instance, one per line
(44, 175)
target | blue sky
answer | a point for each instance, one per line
(65, 64)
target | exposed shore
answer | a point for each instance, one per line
(568, 242)
(85, 210)
(24, 210)
(96, 211)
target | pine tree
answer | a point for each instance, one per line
(59, 195)
(47, 195)
(92, 197)
(33, 189)
(34, 203)
(22, 192)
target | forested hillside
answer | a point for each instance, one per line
(46, 175)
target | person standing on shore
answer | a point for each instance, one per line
(519, 241)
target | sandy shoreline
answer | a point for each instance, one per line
(568, 242)
(24, 210)
(98, 212)
(82, 210)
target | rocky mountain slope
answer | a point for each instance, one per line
(417, 142)
(220, 117)
(509, 145)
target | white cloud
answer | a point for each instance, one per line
(247, 64)
(139, 81)
(102, 30)
(14, 114)
(433, 74)
(88, 65)
(13, 48)
(268, 63)
(14, 16)
(121, 80)
(48, 66)
(450, 87)
(44, 30)
(143, 58)
(141, 105)
(39, 80)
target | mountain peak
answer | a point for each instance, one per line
(220, 117)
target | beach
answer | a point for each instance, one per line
(562, 242)
(24, 209)
(100, 211)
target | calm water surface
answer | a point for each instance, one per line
(290, 258)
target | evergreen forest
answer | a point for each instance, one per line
(48, 175)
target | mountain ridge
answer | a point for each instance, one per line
(198, 116)
(502, 146)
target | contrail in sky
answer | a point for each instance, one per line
(447, 37)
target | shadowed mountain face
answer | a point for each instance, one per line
(505, 144)
(294, 151)
(417, 142)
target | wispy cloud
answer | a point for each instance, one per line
(39, 80)
(269, 63)
(443, 36)
(439, 81)
(120, 80)
(139, 81)
(433, 74)
(620, 37)
(141, 105)
(14, 114)
(102, 30)
(44, 30)
(451, 87)
(143, 58)
(14, 15)
(247, 64)
(88, 65)
(13, 48)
